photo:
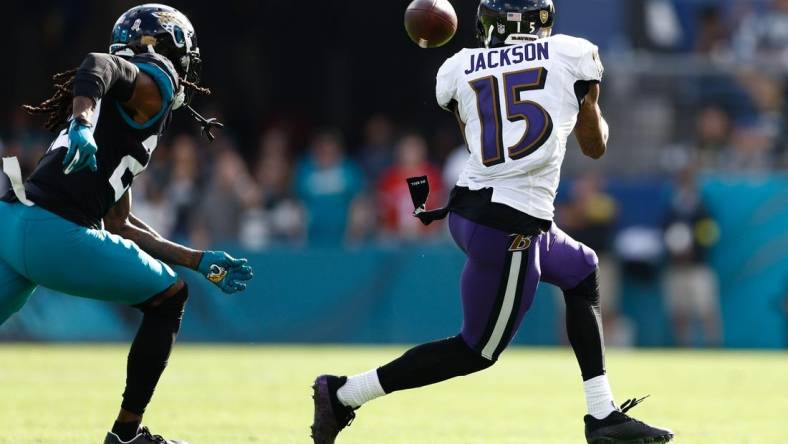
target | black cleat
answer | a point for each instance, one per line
(144, 436)
(331, 416)
(619, 428)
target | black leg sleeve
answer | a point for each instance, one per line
(431, 363)
(151, 350)
(584, 326)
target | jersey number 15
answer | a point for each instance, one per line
(538, 123)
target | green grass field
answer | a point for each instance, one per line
(229, 394)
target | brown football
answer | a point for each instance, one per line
(430, 23)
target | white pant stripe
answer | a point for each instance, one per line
(506, 307)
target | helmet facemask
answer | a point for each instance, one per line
(179, 44)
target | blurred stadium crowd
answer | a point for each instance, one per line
(695, 87)
(731, 77)
(276, 189)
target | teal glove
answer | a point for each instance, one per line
(226, 272)
(81, 148)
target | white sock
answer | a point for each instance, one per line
(360, 389)
(599, 397)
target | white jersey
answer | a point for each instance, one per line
(518, 106)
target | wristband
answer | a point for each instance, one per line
(83, 121)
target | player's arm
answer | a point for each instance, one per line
(446, 84)
(591, 129)
(145, 101)
(103, 75)
(139, 223)
(120, 221)
(226, 272)
(98, 76)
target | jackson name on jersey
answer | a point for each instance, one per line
(517, 105)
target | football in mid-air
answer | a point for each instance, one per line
(430, 23)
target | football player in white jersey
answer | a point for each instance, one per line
(517, 99)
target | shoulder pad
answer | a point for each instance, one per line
(580, 55)
(159, 61)
(573, 46)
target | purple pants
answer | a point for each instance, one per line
(502, 273)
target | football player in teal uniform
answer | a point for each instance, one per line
(69, 226)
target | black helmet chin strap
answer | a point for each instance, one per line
(206, 124)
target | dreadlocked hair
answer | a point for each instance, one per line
(58, 107)
(196, 88)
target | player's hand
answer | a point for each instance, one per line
(226, 272)
(82, 148)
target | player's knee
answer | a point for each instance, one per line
(590, 257)
(174, 306)
(586, 291)
(170, 304)
(474, 359)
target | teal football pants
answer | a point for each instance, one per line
(41, 248)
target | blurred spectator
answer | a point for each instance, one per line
(590, 217)
(328, 183)
(656, 25)
(752, 149)
(745, 145)
(279, 217)
(375, 154)
(712, 135)
(183, 192)
(762, 41)
(395, 204)
(690, 284)
(150, 205)
(713, 32)
(764, 89)
(229, 193)
(362, 225)
(274, 143)
(764, 34)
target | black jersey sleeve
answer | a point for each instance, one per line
(103, 74)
